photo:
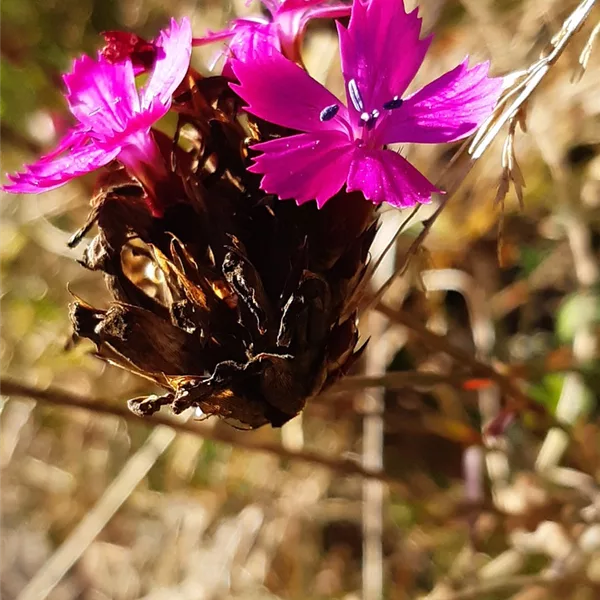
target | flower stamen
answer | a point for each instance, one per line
(329, 112)
(395, 102)
(355, 96)
(369, 119)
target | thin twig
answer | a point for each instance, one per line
(458, 168)
(393, 380)
(480, 316)
(226, 436)
(477, 367)
(556, 361)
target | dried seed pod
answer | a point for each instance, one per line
(234, 302)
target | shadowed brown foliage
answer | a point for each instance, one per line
(250, 307)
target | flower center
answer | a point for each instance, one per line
(367, 120)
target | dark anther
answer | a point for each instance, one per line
(395, 102)
(355, 96)
(329, 112)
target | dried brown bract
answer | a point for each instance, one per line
(234, 302)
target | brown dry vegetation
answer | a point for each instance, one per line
(460, 461)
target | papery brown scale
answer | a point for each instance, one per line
(235, 303)
(121, 45)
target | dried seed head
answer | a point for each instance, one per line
(236, 304)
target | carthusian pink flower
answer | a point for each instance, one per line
(381, 53)
(114, 119)
(248, 39)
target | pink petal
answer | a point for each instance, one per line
(50, 174)
(447, 109)
(271, 5)
(275, 6)
(293, 17)
(142, 157)
(174, 49)
(214, 36)
(309, 166)
(279, 91)
(292, 5)
(236, 26)
(248, 40)
(381, 50)
(102, 96)
(75, 138)
(253, 40)
(329, 11)
(384, 176)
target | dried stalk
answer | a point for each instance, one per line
(224, 435)
(372, 447)
(372, 460)
(526, 82)
(509, 388)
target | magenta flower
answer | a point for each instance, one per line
(257, 37)
(114, 118)
(381, 53)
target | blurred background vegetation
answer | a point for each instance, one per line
(197, 518)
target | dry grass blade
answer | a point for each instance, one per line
(522, 84)
(373, 408)
(519, 88)
(135, 469)
(511, 172)
(584, 57)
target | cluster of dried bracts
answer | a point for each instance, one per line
(235, 248)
